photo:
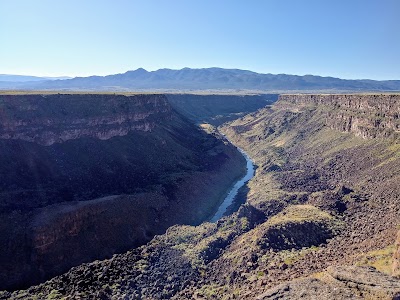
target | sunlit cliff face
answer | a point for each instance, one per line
(366, 116)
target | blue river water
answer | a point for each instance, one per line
(233, 192)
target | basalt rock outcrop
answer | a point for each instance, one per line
(84, 176)
(367, 116)
(49, 119)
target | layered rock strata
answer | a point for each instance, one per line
(367, 116)
(49, 119)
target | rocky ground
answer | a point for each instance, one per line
(320, 222)
(339, 283)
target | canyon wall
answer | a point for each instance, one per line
(218, 109)
(367, 116)
(84, 176)
(49, 119)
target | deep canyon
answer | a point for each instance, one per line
(86, 176)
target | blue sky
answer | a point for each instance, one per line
(341, 38)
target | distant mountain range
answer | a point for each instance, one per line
(201, 79)
(23, 81)
(24, 78)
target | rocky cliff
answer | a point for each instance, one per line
(49, 119)
(367, 116)
(84, 176)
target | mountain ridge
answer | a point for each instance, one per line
(210, 79)
(25, 78)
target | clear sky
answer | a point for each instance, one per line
(341, 38)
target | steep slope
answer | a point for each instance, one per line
(87, 176)
(213, 79)
(324, 204)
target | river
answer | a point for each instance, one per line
(233, 192)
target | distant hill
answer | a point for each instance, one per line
(16, 82)
(24, 78)
(211, 79)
